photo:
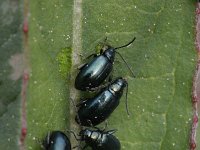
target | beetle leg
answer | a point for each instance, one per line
(92, 126)
(111, 131)
(110, 78)
(80, 54)
(91, 55)
(100, 87)
(101, 141)
(106, 125)
(75, 136)
(101, 51)
(81, 66)
(103, 45)
(97, 129)
(105, 40)
(81, 103)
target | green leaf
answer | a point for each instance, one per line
(50, 58)
(163, 58)
(11, 69)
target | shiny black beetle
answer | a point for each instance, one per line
(56, 140)
(93, 73)
(98, 139)
(95, 110)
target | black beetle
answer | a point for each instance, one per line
(95, 110)
(98, 139)
(56, 140)
(93, 73)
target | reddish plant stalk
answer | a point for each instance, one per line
(25, 78)
(23, 118)
(196, 83)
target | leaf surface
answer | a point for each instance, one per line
(11, 69)
(163, 58)
(50, 59)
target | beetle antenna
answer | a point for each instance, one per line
(126, 44)
(127, 99)
(111, 131)
(126, 64)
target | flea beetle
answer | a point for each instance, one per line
(56, 140)
(93, 111)
(93, 73)
(100, 140)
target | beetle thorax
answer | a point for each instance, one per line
(110, 54)
(88, 134)
(118, 85)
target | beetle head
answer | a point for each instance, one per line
(85, 133)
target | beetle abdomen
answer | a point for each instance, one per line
(93, 74)
(97, 109)
(110, 142)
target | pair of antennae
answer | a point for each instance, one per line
(123, 58)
